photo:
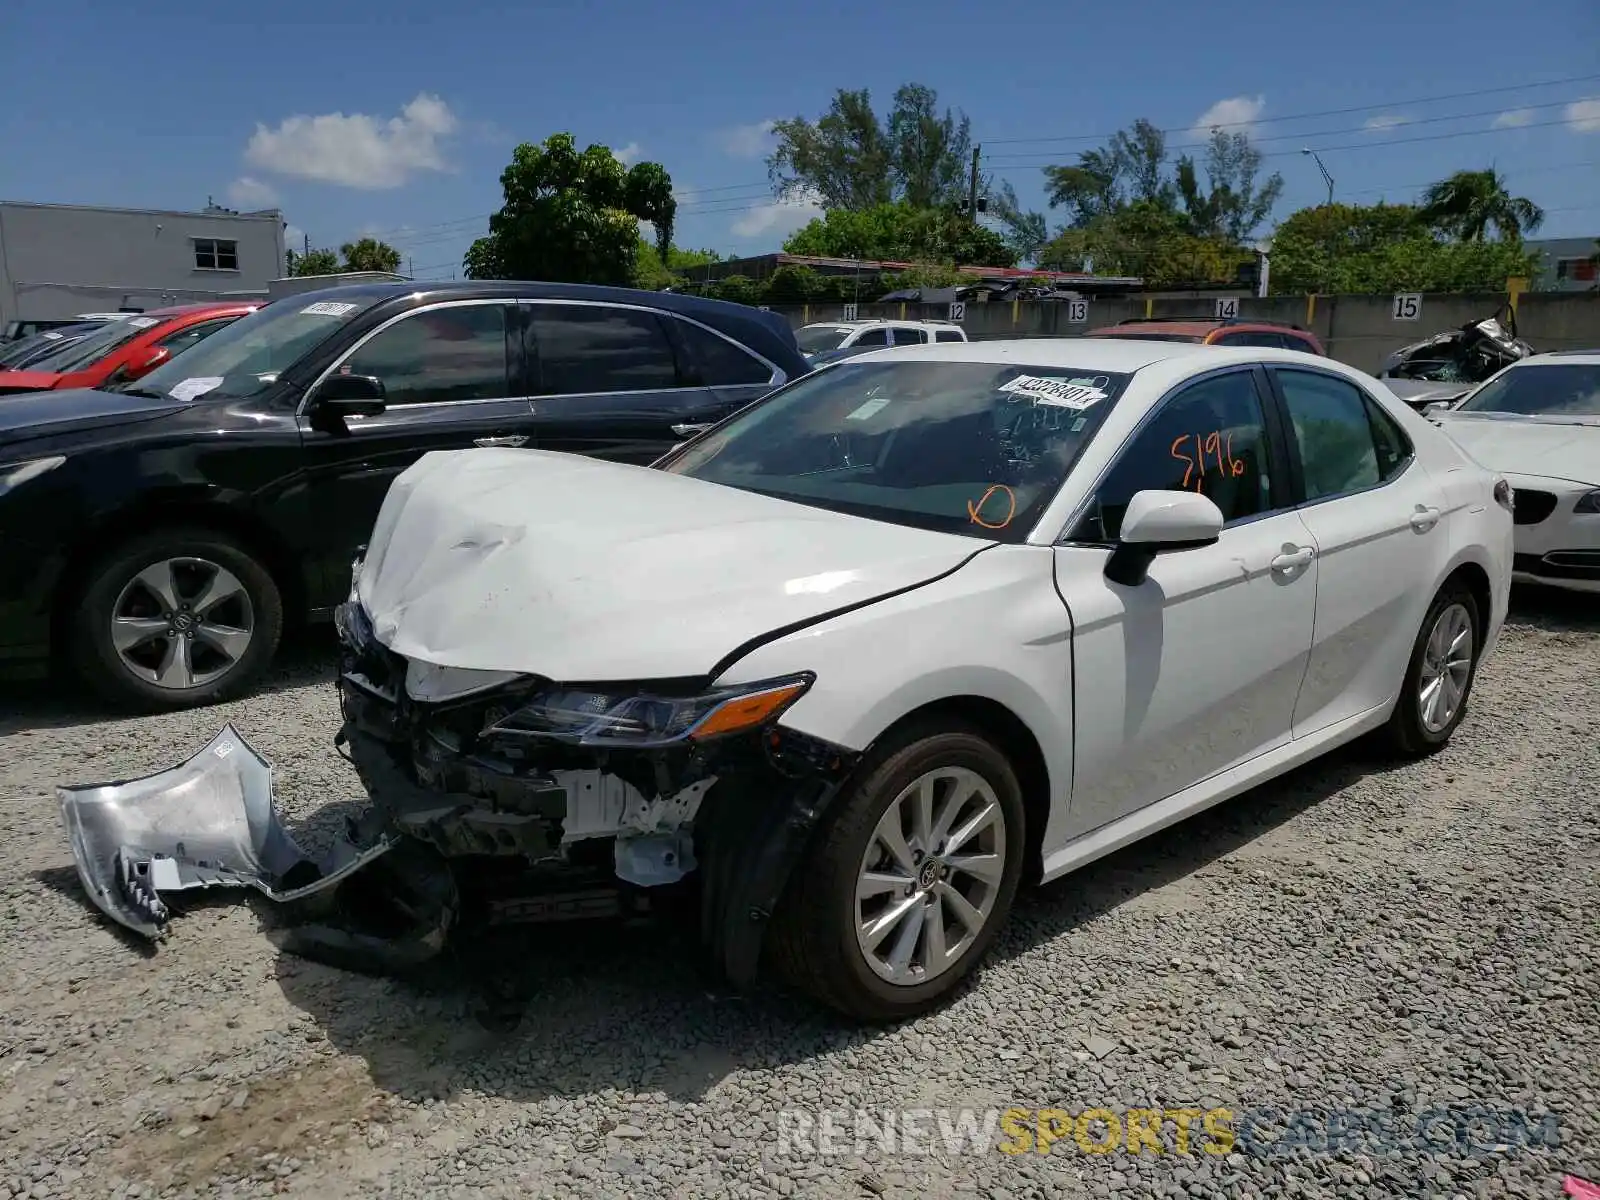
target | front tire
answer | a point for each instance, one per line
(174, 619)
(909, 880)
(1444, 663)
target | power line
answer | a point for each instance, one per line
(1326, 112)
(1321, 133)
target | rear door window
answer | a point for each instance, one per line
(1334, 431)
(948, 335)
(714, 361)
(906, 336)
(588, 348)
(872, 337)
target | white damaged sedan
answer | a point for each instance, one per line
(848, 668)
(1538, 421)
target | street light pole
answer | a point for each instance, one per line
(1326, 178)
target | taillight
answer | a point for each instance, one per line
(1504, 496)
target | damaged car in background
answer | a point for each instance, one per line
(1448, 365)
(838, 675)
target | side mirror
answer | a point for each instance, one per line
(142, 367)
(343, 396)
(1157, 522)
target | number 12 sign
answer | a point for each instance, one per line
(1407, 306)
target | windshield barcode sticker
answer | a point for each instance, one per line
(142, 322)
(197, 385)
(1060, 392)
(870, 409)
(329, 308)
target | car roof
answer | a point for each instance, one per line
(1198, 325)
(211, 306)
(1586, 357)
(1070, 354)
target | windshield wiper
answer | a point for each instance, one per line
(149, 393)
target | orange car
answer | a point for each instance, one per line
(1214, 333)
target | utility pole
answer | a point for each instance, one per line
(1326, 178)
(972, 193)
(411, 268)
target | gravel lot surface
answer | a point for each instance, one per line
(1357, 935)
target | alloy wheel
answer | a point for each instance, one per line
(930, 875)
(1446, 668)
(182, 623)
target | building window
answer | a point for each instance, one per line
(1578, 270)
(213, 254)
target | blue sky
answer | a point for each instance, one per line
(397, 118)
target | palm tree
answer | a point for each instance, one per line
(1465, 205)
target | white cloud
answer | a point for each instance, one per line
(629, 154)
(294, 238)
(779, 218)
(246, 192)
(1512, 119)
(357, 150)
(747, 141)
(1236, 114)
(1583, 116)
(1383, 122)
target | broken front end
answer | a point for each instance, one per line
(541, 800)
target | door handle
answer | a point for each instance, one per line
(1424, 518)
(690, 430)
(510, 439)
(1293, 560)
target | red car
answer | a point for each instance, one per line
(126, 349)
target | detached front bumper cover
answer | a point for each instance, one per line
(208, 822)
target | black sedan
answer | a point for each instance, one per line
(157, 537)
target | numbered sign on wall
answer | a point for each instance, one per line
(1077, 312)
(1407, 306)
(849, 312)
(958, 311)
(1228, 308)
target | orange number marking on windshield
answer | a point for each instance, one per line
(1204, 448)
(975, 511)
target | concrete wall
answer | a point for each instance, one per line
(59, 260)
(1359, 330)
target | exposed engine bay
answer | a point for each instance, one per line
(520, 803)
(1447, 364)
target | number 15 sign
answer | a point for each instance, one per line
(1407, 306)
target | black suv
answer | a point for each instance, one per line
(157, 536)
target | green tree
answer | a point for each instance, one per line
(1469, 203)
(901, 233)
(1129, 169)
(1231, 206)
(369, 254)
(849, 159)
(1026, 233)
(651, 274)
(570, 217)
(313, 262)
(1379, 248)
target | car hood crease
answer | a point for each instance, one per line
(582, 570)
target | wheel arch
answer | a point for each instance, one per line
(1015, 739)
(251, 533)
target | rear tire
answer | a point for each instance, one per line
(174, 619)
(1444, 663)
(940, 886)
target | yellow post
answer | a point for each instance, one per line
(1016, 306)
(902, 310)
(1149, 306)
(1515, 286)
(1311, 309)
(805, 314)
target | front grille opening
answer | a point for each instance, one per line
(1529, 507)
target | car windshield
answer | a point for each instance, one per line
(39, 345)
(814, 339)
(1540, 390)
(246, 357)
(88, 350)
(960, 447)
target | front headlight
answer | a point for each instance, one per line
(1589, 503)
(644, 718)
(14, 475)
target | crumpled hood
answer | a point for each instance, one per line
(1519, 446)
(587, 571)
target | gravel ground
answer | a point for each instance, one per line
(1355, 936)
